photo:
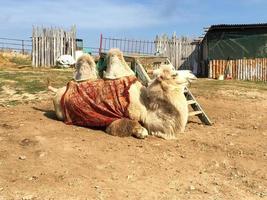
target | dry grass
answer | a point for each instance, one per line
(20, 84)
(211, 84)
(229, 89)
(14, 59)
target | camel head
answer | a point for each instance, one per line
(182, 74)
(85, 69)
(187, 74)
(169, 78)
(116, 65)
(165, 85)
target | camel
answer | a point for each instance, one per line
(159, 109)
(85, 69)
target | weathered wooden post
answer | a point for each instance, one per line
(22, 46)
(50, 43)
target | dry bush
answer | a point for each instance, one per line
(14, 58)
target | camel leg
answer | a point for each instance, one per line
(57, 104)
(127, 127)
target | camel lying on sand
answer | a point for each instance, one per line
(159, 109)
(85, 69)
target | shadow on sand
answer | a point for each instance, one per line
(47, 113)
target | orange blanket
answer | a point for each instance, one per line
(96, 103)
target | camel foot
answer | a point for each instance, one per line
(140, 132)
(127, 127)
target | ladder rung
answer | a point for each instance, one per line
(189, 102)
(195, 113)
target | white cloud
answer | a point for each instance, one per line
(92, 14)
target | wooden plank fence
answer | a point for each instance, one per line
(183, 52)
(240, 69)
(50, 43)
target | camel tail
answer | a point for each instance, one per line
(49, 87)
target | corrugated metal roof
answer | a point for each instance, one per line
(234, 26)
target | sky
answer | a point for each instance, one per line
(136, 19)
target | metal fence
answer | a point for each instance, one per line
(240, 69)
(128, 46)
(17, 45)
(92, 50)
(183, 52)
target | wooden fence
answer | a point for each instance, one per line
(183, 52)
(50, 43)
(241, 69)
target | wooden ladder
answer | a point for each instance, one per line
(198, 111)
(191, 100)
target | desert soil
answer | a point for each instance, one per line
(42, 158)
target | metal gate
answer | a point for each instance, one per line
(128, 46)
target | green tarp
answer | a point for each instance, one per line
(237, 44)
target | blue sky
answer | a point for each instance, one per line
(137, 19)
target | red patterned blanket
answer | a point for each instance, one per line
(96, 103)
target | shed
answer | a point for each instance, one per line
(237, 51)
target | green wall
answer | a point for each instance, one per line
(237, 43)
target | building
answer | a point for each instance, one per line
(237, 51)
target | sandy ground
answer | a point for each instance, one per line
(42, 158)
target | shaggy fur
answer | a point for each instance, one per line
(167, 105)
(162, 107)
(116, 65)
(126, 127)
(186, 74)
(85, 69)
